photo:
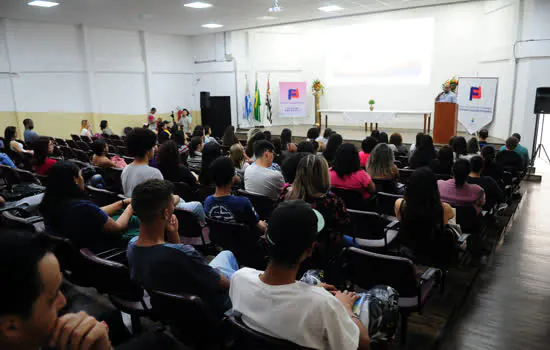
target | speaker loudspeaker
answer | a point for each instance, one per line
(542, 100)
(205, 99)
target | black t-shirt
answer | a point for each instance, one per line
(510, 160)
(493, 170)
(180, 174)
(493, 193)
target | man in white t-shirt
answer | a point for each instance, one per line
(274, 303)
(259, 178)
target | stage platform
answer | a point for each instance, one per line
(353, 135)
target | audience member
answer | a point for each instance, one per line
(415, 145)
(199, 131)
(126, 130)
(208, 135)
(443, 164)
(274, 303)
(267, 135)
(222, 205)
(452, 141)
(164, 133)
(31, 301)
(86, 128)
(483, 136)
(491, 167)
(258, 136)
(460, 148)
(237, 156)
(457, 192)
(195, 153)
(424, 153)
(519, 149)
(397, 140)
(326, 135)
(473, 147)
(105, 129)
(493, 192)
(286, 142)
(185, 121)
(171, 168)
(6, 160)
(152, 120)
(312, 134)
(141, 144)
(10, 134)
(68, 213)
(376, 134)
(258, 177)
(229, 137)
(509, 159)
(383, 138)
(100, 159)
(367, 145)
(43, 149)
(158, 261)
(306, 147)
(381, 163)
(334, 141)
(290, 165)
(346, 173)
(210, 152)
(29, 135)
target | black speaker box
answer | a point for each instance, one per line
(205, 99)
(542, 100)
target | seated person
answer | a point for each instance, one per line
(237, 156)
(306, 147)
(68, 213)
(346, 172)
(141, 144)
(473, 147)
(222, 205)
(483, 136)
(195, 154)
(10, 134)
(509, 159)
(274, 303)
(457, 192)
(400, 149)
(100, 159)
(31, 300)
(169, 164)
(333, 143)
(367, 145)
(164, 134)
(6, 160)
(443, 165)
(43, 148)
(381, 163)
(208, 135)
(86, 128)
(28, 135)
(491, 167)
(258, 177)
(210, 152)
(290, 165)
(460, 147)
(423, 153)
(105, 129)
(493, 192)
(324, 139)
(158, 261)
(522, 151)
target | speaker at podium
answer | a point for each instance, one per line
(445, 122)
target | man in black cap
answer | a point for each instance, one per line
(274, 303)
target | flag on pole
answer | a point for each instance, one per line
(257, 103)
(247, 108)
(269, 113)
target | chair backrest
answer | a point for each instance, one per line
(189, 225)
(86, 139)
(352, 198)
(468, 218)
(81, 155)
(398, 163)
(404, 161)
(128, 160)
(238, 239)
(76, 137)
(13, 176)
(183, 190)
(83, 145)
(72, 143)
(385, 185)
(110, 277)
(70, 260)
(67, 152)
(386, 203)
(113, 149)
(102, 197)
(405, 174)
(203, 191)
(367, 225)
(122, 150)
(262, 204)
(112, 177)
(60, 142)
(21, 220)
(114, 137)
(367, 269)
(247, 338)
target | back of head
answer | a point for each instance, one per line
(312, 133)
(28, 124)
(459, 146)
(380, 162)
(168, 158)
(368, 144)
(286, 137)
(473, 146)
(98, 147)
(306, 146)
(346, 161)
(198, 131)
(422, 188)
(488, 153)
(290, 166)
(236, 154)
(426, 142)
(126, 130)
(376, 135)
(140, 141)
(103, 124)
(207, 130)
(229, 137)
(477, 164)
(418, 137)
(483, 134)
(312, 178)
(210, 152)
(179, 138)
(222, 172)
(41, 149)
(252, 132)
(383, 137)
(517, 136)
(195, 142)
(512, 143)
(461, 169)
(250, 147)
(9, 134)
(261, 146)
(396, 139)
(327, 133)
(151, 199)
(60, 188)
(292, 229)
(334, 141)
(446, 156)
(452, 141)
(267, 135)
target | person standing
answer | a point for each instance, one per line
(29, 135)
(151, 120)
(447, 95)
(185, 120)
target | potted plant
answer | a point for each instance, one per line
(371, 103)
(317, 87)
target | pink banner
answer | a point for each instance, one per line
(292, 99)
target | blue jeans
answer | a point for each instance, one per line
(349, 242)
(226, 263)
(194, 207)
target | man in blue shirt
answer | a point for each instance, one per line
(447, 95)
(28, 134)
(522, 151)
(5, 160)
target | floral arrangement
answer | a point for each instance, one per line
(371, 102)
(453, 82)
(317, 87)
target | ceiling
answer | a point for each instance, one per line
(171, 17)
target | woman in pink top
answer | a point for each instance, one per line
(457, 192)
(346, 173)
(367, 145)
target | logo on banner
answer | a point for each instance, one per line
(475, 93)
(293, 94)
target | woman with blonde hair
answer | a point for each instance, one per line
(238, 158)
(86, 128)
(381, 163)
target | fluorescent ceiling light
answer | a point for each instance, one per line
(198, 5)
(330, 8)
(43, 3)
(212, 25)
(266, 17)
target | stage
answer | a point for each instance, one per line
(354, 134)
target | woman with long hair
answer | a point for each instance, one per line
(334, 141)
(229, 137)
(460, 147)
(250, 144)
(324, 138)
(68, 213)
(237, 156)
(397, 140)
(86, 128)
(210, 153)
(195, 153)
(185, 120)
(491, 167)
(41, 161)
(168, 162)
(381, 163)
(105, 129)
(415, 144)
(424, 153)
(443, 165)
(473, 147)
(346, 172)
(457, 192)
(10, 133)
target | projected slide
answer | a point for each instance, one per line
(387, 52)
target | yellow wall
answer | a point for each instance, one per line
(62, 125)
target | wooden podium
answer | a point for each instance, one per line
(445, 122)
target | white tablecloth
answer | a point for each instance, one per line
(376, 116)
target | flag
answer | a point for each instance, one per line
(257, 103)
(269, 113)
(247, 110)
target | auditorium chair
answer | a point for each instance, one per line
(112, 179)
(60, 142)
(248, 248)
(386, 185)
(79, 163)
(113, 278)
(405, 174)
(87, 139)
(70, 260)
(190, 228)
(22, 220)
(75, 137)
(81, 155)
(114, 137)
(84, 146)
(371, 231)
(404, 160)
(102, 197)
(398, 163)
(353, 199)
(72, 143)
(67, 152)
(367, 269)
(263, 205)
(386, 204)
(118, 142)
(122, 151)
(203, 191)
(128, 160)
(192, 321)
(112, 149)
(244, 337)
(56, 152)
(185, 192)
